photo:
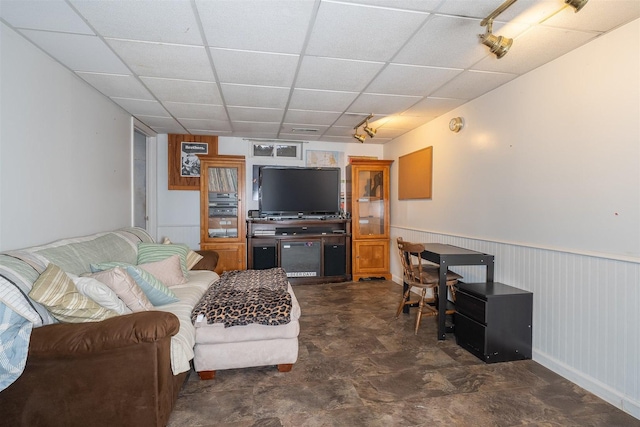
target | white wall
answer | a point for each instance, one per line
(178, 211)
(65, 151)
(546, 176)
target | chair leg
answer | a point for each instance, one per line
(420, 308)
(405, 298)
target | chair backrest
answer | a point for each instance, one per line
(410, 271)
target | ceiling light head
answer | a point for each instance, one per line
(576, 4)
(359, 137)
(369, 130)
(498, 45)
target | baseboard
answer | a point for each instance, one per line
(590, 384)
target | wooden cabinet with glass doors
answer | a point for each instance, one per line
(367, 200)
(222, 222)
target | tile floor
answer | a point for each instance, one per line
(358, 366)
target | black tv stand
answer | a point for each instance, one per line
(311, 250)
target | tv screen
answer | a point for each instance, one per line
(299, 191)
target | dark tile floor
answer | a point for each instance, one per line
(358, 366)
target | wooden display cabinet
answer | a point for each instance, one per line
(367, 200)
(222, 222)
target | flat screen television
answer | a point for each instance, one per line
(298, 191)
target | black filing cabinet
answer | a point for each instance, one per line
(493, 321)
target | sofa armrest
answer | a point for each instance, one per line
(208, 262)
(73, 339)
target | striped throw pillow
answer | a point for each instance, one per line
(56, 291)
(152, 252)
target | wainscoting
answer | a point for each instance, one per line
(586, 310)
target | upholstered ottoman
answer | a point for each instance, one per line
(219, 347)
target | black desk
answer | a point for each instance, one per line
(446, 256)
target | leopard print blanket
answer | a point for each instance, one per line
(242, 297)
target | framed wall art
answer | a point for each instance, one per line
(184, 159)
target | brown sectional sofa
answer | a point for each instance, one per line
(116, 372)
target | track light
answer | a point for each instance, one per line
(576, 4)
(370, 131)
(499, 45)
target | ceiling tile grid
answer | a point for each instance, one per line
(301, 69)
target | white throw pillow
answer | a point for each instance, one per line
(100, 293)
(125, 287)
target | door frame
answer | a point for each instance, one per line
(151, 175)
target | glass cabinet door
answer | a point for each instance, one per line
(223, 202)
(369, 196)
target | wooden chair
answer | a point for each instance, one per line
(423, 276)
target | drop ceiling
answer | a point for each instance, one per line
(301, 69)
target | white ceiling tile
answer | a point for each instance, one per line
(523, 11)
(208, 124)
(49, 15)
(535, 48)
(311, 117)
(256, 126)
(321, 100)
(472, 84)
(336, 74)
(352, 119)
(164, 122)
(382, 104)
(411, 79)
(360, 32)
(434, 107)
(256, 114)
(171, 90)
(597, 15)
(347, 131)
(273, 26)
(141, 107)
(148, 20)
(401, 122)
(116, 85)
(169, 129)
(182, 110)
(255, 96)
(164, 60)
(417, 5)
(445, 41)
(256, 68)
(78, 52)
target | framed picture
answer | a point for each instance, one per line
(190, 162)
(184, 162)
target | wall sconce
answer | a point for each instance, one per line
(498, 45)
(576, 4)
(370, 131)
(456, 124)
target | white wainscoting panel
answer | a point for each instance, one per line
(586, 310)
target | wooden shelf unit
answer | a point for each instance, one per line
(367, 200)
(222, 221)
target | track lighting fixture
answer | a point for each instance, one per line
(576, 4)
(370, 131)
(498, 45)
